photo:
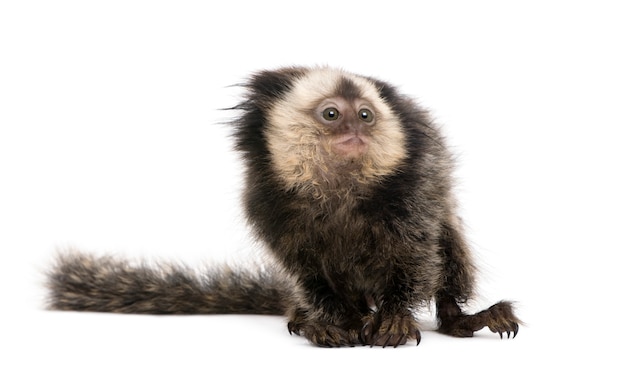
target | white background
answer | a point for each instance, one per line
(112, 141)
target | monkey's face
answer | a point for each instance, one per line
(333, 127)
(348, 125)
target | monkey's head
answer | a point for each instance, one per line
(323, 126)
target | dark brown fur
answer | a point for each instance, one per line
(357, 254)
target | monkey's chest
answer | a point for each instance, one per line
(356, 255)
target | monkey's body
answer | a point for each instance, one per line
(348, 184)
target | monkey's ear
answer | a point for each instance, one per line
(273, 84)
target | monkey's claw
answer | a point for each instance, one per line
(511, 328)
(500, 319)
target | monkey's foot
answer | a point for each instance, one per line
(500, 319)
(389, 330)
(325, 335)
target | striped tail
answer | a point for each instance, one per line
(83, 282)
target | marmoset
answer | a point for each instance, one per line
(348, 183)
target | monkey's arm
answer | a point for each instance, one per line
(393, 323)
(326, 315)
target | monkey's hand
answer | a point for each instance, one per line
(322, 333)
(325, 335)
(389, 329)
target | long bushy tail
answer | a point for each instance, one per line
(84, 282)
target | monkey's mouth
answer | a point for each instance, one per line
(351, 145)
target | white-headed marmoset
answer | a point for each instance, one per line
(348, 184)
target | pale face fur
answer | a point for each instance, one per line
(308, 151)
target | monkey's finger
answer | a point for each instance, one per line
(401, 341)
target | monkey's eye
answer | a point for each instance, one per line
(366, 115)
(330, 114)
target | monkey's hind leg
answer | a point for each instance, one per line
(459, 286)
(500, 319)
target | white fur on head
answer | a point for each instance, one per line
(299, 144)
